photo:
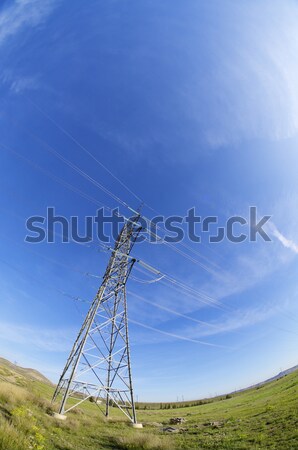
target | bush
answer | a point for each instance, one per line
(143, 441)
(13, 395)
(11, 438)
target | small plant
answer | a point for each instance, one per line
(12, 394)
(143, 441)
(37, 440)
(11, 438)
(23, 418)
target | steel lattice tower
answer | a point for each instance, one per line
(98, 367)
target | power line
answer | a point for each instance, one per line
(170, 310)
(81, 300)
(177, 283)
(183, 338)
(171, 279)
(74, 167)
(88, 274)
(82, 147)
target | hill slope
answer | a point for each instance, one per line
(11, 372)
(264, 417)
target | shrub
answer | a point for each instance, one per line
(11, 438)
(143, 441)
(13, 395)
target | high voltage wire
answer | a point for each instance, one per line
(123, 203)
(74, 167)
(79, 299)
(88, 274)
(184, 288)
(53, 177)
(69, 186)
(173, 281)
(194, 293)
(82, 147)
(184, 338)
(204, 297)
(76, 190)
(170, 310)
(155, 280)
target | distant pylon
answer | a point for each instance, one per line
(98, 367)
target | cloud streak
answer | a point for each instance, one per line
(51, 340)
(17, 84)
(22, 14)
(251, 85)
(237, 321)
(288, 243)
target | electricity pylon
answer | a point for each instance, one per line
(98, 367)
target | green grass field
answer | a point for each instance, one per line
(259, 418)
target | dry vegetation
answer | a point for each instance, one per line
(260, 418)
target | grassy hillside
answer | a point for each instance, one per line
(19, 375)
(260, 418)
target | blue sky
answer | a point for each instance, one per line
(189, 104)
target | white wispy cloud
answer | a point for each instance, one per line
(252, 80)
(21, 14)
(16, 83)
(51, 340)
(241, 82)
(246, 269)
(238, 320)
(21, 84)
(235, 321)
(14, 19)
(288, 243)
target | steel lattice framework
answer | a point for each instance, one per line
(98, 367)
